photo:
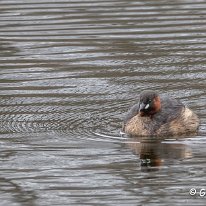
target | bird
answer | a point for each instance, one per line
(156, 115)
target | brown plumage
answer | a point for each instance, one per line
(159, 116)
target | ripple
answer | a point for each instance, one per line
(70, 70)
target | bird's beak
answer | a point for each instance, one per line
(141, 106)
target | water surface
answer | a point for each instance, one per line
(69, 71)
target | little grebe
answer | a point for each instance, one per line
(159, 116)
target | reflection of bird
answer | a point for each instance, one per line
(154, 153)
(159, 116)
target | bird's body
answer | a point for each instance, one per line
(159, 116)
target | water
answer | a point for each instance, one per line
(69, 71)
